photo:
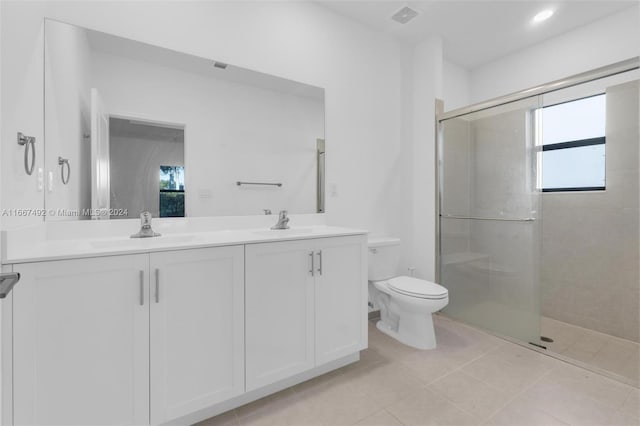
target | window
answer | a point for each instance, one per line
(573, 145)
(171, 191)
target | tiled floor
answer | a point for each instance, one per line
(472, 378)
(618, 356)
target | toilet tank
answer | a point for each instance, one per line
(384, 258)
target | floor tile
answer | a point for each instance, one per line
(428, 408)
(470, 394)
(338, 402)
(631, 406)
(622, 419)
(505, 373)
(265, 404)
(521, 412)
(470, 378)
(381, 418)
(225, 419)
(567, 405)
(618, 356)
(430, 365)
(585, 383)
(291, 411)
(385, 384)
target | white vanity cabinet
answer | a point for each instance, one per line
(81, 342)
(340, 297)
(305, 305)
(197, 329)
(279, 300)
(117, 339)
(179, 335)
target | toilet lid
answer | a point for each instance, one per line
(417, 288)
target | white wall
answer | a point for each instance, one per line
(21, 104)
(233, 132)
(600, 43)
(299, 41)
(456, 81)
(426, 87)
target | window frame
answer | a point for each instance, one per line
(600, 140)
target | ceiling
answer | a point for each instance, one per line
(138, 51)
(477, 32)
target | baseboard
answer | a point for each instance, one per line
(254, 395)
(374, 315)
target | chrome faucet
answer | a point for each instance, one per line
(145, 227)
(283, 221)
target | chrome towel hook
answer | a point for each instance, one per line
(28, 141)
(62, 162)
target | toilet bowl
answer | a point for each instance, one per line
(406, 303)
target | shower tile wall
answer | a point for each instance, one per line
(590, 240)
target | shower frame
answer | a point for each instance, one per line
(575, 80)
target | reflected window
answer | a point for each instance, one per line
(171, 191)
(573, 145)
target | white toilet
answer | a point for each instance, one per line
(406, 303)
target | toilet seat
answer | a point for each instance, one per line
(415, 287)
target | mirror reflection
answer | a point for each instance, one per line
(151, 129)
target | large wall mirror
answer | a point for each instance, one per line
(131, 127)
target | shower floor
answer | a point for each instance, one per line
(602, 351)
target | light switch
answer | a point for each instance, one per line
(40, 179)
(205, 193)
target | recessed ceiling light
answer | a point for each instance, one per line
(543, 16)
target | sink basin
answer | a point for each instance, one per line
(129, 242)
(285, 232)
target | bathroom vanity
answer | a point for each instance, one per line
(219, 310)
(180, 327)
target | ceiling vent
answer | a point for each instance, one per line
(404, 15)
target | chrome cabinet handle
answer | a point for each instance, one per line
(141, 288)
(312, 270)
(157, 285)
(320, 262)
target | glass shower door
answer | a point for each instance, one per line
(489, 219)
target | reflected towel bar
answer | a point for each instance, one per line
(505, 219)
(258, 183)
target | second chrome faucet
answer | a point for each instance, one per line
(145, 227)
(283, 221)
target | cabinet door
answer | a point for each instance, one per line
(279, 311)
(81, 342)
(341, 297)
(197, 329)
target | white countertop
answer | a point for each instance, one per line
(38, 250)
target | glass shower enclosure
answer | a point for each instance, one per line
(489, 218)
(568, 282)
